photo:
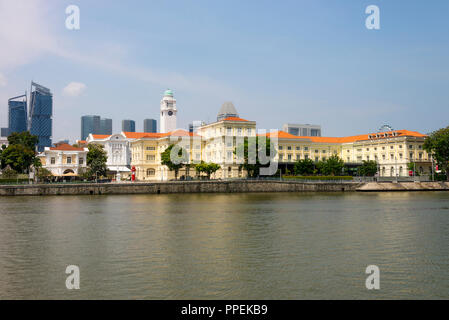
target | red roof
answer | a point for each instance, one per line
(66, 147)
(138, 135)
(363, 137)
(234, 119)
(101, 136)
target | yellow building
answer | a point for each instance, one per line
(217, 141)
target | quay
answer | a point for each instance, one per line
(215, 186)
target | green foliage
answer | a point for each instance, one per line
(20, 154)
(43, 174)
(18, 157)
(25, 139)
(331, 166)
(320, 178)
(368, 168)
(96, 161)
(304, 167)
(208, 168)
(9, 173)
(251, 162)
(437, 144)
(174, 163)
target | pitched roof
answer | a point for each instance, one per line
(372, 136)
(234, 119)
(138, 135)
(66, 147)
(100, 136)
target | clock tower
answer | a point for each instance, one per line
(168, 112)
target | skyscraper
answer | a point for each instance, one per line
(40, 117)
(89, 124)
(149, 125)
(17, 114)
(128, 126)
(105, 126)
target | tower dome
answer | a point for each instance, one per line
(227, 110)
(168, 93)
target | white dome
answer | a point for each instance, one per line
(227, 110)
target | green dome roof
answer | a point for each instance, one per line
(168, 92)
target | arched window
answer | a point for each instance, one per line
(151, 172)
(400, 171)
(391, 171)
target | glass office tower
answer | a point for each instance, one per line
(89, 124)
(149, 125)
(40, 116)
(105, 126)
(17, 114)
(128, 126)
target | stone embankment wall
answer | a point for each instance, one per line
(404, 186)
(176, 187)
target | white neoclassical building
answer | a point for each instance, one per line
(168, 112)
(63, 159)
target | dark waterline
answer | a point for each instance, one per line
(226, 246)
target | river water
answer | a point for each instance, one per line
(226, 246)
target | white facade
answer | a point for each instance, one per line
(168, 113)
(64, 159)
(117, 150)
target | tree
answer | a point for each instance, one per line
(208, 168)
(18, 157)
(96, 160)
(304, 167)
(43, 174)
(332, 166)
(252, 144)
(23, 138)
(368, 168)
(9, 173)
(176, 162)
(437, 144)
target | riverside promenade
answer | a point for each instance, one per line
(217, 186)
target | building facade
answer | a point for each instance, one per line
(64, 160)
(168, 112)
(40, 121)
(149, 125)
(305, 130)
(17, 114)
(128, 126)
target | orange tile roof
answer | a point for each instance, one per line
(234, 119)
(400, 133)
(101, 136)
(66, 147)
(138, 135)
(179, 133)
(81, 141)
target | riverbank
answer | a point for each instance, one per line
(238, 186)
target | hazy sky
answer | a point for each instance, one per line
(279, 61)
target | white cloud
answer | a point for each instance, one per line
(3, 81)
(74, 89)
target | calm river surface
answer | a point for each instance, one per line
(226, 246)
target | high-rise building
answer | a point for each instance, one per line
(89, 124)
(304, 130)
(149, 125)
(105, 126)
(128, 126)
(168, 112)
(17, 114)
(4, 132)
(193, 127)
(40, 116)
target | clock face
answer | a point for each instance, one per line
(170, 113)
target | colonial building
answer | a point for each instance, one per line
(63, 160)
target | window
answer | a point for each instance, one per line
(151, 148)
(150, 157)
(324, 158)
(281, 157)
(298, 148)
(306, 156)
(280, 147)
(289, 157)
(324, 151)
(400, 156)
(316, 151)
(239, 131)
(367, 149)
(289, 147)
(249, 131)
(81, 160)
(306, 148)
(69, 160)
(411, 155)
(410, 146)
(151, 172)
(52, 160)
(229, 131)
(316, 159)
(391, 147)
(383, 157)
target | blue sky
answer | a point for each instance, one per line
(279, 61)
